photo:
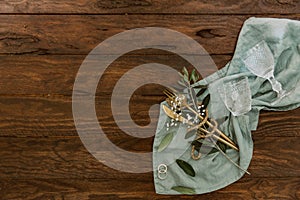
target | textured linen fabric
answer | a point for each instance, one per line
(214, 171)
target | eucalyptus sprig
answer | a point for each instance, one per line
(187, 80)
(184, 107)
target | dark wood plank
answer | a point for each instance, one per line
(150, 6)
(55, 74)
(270, 123)
(272, 155)
(52, 34)
(66, 157)
(94, 189)
(52, 116)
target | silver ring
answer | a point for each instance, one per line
(162, 176)
(162, 168)
(162, 171)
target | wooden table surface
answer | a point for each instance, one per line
(42, 45)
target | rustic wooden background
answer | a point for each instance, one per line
(43, 43)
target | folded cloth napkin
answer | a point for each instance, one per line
(214, 171)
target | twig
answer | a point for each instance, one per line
(215, 144)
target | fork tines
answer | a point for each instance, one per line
(169, 93)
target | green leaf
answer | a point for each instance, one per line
(197, 145)
(185, 72)
(201, 92)
(189, 134)
(200, 86)
(181, 83)
(193, 76)
(206, 101)
(186, 167)
(184, 190)
(165, 141)
(213, 150)
(201, 144)
(193, 97)
(186, 79)
(205, 142)
(197, 76)
(222, 146)
(180, 74)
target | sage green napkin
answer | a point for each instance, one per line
(214, 171)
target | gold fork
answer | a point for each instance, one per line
(172, 115)
(172, 95)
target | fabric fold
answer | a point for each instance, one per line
(215, 171)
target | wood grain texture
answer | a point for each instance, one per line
(55, 74)
(95, 189)
(151, 6)
(47, 158)
(58, 34)
(52, 116)
(52, 34)
(42, 45)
